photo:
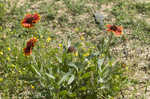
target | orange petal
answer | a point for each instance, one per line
(27, 25)
(31, 42)
(36, 18)
(108, 25)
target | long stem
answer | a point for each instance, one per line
(107, 48)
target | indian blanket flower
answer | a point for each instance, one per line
(30, 20)
(31, 42)
(117, 30)
(27, 51)
(29, 46)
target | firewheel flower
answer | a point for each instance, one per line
(117, 30)
(29, 46)
(30, 20)
(31, 42)
(27, 51)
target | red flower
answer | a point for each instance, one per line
(117, 30)
(31, 42)
(29, 46)
(27, 51)
(30, 20)
(36, 18)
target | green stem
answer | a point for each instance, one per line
(107, 48)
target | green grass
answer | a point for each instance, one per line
(102, 65)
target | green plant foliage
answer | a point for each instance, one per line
(73, 58)
(2, 12)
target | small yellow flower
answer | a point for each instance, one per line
(9, 49)
(86, 54)
(76, 29)
(20, 71)
(8, 58)
(32, 86)
(117, 76)
(110, 63)
(60, 45)
(1, 79)
(93, 47)
(123, 65)
(35, 38)
(48, 39)
(111, 97)
(82, 38)
(41, 36)
(43, 46)
(9, 29)
(89, 62)
(12, 65)
(76, 53)
(102, 56)
(13, 72)
(1, 53)
(127, 68)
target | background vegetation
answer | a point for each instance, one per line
(99, 68)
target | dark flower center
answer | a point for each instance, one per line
(114, 28)
(28, 48)
(71, 49)
(29, 20)
(30, 44)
